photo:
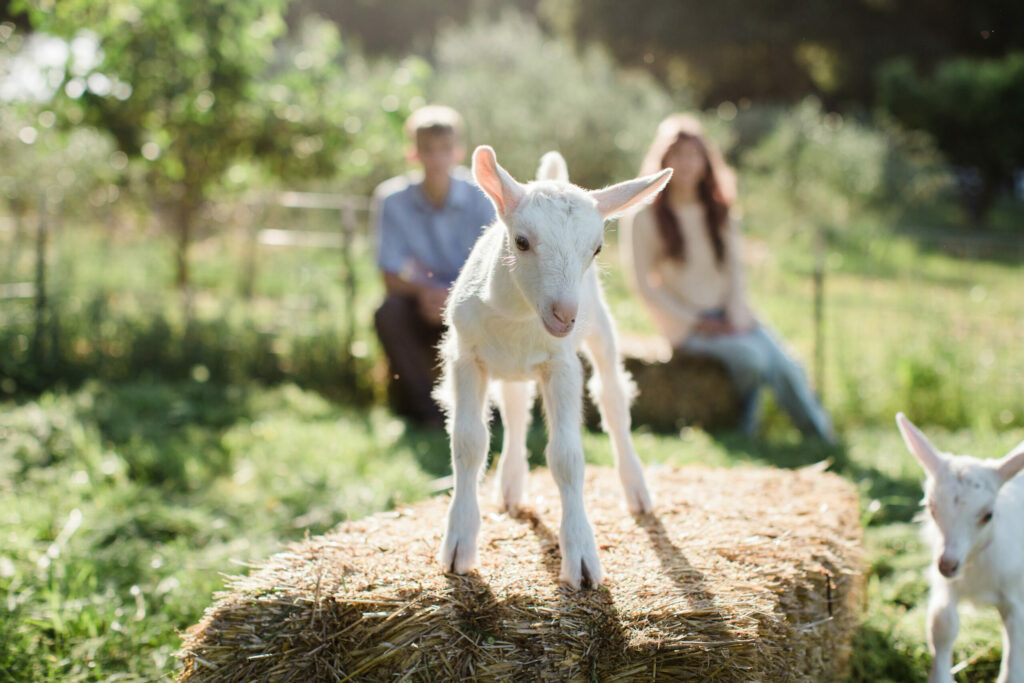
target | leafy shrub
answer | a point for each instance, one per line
(931, 388)
(821, 165)
(120, 341)
(973, 109)
(524, 93)
(78, 167)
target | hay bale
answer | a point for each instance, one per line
(675, 389)
(747, 574)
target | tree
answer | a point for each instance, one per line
(782, 51)
(524, 94)
(193, 90)
(398, 28)
(973, 109)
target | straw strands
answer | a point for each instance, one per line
(745, 574)
(709, 401)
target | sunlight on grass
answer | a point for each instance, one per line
(128, 497)
(120, 521)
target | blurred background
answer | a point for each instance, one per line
(188, 369)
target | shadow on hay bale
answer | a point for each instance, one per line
(675, 389)
(748, 574)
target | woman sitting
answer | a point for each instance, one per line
(682, 253)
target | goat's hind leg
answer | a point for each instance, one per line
(469, 439)
(514, 402)
(611, 389)
(562, 390)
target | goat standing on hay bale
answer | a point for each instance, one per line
(520, 309)
(975, 509)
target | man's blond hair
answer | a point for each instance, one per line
(434, 118)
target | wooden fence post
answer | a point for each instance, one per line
(255, 213)
(819, 312)
(17, 219)
(348, 230)
(40, 284)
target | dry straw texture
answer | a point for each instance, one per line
(709, 401)
(745, 575)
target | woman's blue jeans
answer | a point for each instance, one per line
(755, 359)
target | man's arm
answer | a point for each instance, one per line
(431, 298)
(394, 284)
(391, 258)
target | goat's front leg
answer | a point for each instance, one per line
(469, 448)
(1012, 668)
(514, 404)
(943, 623)
(562, 390)
(610, 387)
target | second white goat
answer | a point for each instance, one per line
(975, 508)
(524, 303)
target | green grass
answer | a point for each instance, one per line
(146, 461)
(125, 504)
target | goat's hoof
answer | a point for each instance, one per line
(510, 509)
(510, 504)
(582, 571)
(457, 556)
(639, 501)
(508, 495)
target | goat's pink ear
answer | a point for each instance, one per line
(919, 445)
(1011, 463)
(502, 188)
(614, 200)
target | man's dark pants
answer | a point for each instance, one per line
(410, 343)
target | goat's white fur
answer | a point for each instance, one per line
(518, 317)
(976, 557)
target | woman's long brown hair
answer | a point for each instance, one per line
(715, 190)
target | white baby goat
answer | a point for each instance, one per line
(527, 298)
(975, 508)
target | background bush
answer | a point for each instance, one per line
(524, 93)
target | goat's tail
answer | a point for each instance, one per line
(553, 167)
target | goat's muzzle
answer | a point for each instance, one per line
(948, 567)
(562, 318)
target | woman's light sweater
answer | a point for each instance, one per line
(677, 292)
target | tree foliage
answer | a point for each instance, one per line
(825, 167)
(785, 50)
(203, 93)
(41, 163)
(973, 108)
(396, 28)
(524, 93)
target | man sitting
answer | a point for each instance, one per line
(427, 223)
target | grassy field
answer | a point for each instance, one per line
(124, 504)
(126, 497)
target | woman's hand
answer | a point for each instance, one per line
(714, 327)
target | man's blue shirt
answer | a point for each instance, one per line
(420, 242)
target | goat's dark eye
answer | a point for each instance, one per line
(987, 517)
(522, 244)
(598, 250)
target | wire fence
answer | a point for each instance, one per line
(925, 322)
